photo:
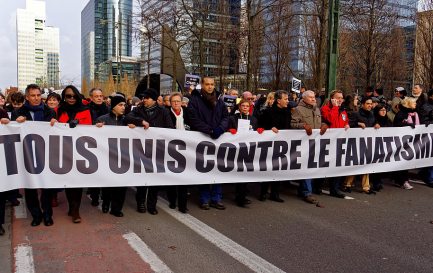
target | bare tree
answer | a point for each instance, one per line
(423, 67)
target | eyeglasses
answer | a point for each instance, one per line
(68, 96)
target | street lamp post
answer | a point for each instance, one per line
(146, 32)
(331, 65)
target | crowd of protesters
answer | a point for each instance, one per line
(213, 113)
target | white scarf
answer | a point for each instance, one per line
(180, 124)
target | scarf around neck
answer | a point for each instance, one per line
(38, 111)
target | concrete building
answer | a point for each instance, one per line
(106, 33)
(38, 47)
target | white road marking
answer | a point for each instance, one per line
(238, 252)
(417, 181)
(146, 254)
(21, 210)
(24, 259)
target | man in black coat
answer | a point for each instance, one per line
(208, 114)
(149, 114)
(278, 117)
(35, 110)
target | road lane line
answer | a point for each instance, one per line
(21, 210)
(146, 254)
(238, 252)
(24, 259)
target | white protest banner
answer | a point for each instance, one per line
(36, 155)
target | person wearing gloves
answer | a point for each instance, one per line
(307, 116)
(208, 114)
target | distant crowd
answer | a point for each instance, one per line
(213, 113)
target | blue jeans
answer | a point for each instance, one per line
(305, 187)
(211, 193)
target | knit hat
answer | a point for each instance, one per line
(116, 99)
(150, 93)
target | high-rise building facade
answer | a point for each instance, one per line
(38, 47)
(106, 33)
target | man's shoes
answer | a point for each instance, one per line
(141, 207)
(2, 230)
(105, 207)
(310, 199)
(407, 186)
(247, 201)
(48, 221)
(370, 191)
(35, 222)
(263, 197)
(243, 203)
(116, 213)
(172, 206)
(183, 210)
(152, 211)
(338, 194)
(95, 202)
(205, 206)
(76, 219)
(217, 205)
(276, 198)
(377, 188)
(347, 189)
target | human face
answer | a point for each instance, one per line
(70, 97)
(244, 108)
(148, 102)
(34, 97)
(17, 105)
(52, 103)
(310, 99)
(367, 105)
(412, 104)
(283, 102)
(397, 94)
(160, 101)
(176, 103)
(97, 97)
(338, 97)
(208, 85)
(416, 90)
(167, 101)
(382, 112)
(2, 101)
(119, 109)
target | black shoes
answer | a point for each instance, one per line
(105, 207)
(141, 207)
(205, 206)
(36, 222)
(172, 206)
(117, 213)
(338, 194)
(95, 202)
(276, 198)
(152, 211)
(243, 203)
(2, 230)
(48, 221)
(263, 197)
(183, 210)
(217, 205)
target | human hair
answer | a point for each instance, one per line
(54, 95)
(420, 86)
(74, 89)
(93, 90)
(269, 97)
(206, 77)
(308, 93)
(336, 91)
(17, 97)
(365, 99)
(407, 100)
(279, 95)
(243, 101)
(32, 86)
(379, 91)
(175, 94)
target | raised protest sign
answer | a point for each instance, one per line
(191, 80)
(36, 155)
(296, 85)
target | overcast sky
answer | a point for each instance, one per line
(64, 14)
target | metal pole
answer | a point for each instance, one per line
(331, 65)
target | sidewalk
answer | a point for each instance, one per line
(94, 245)
(5, 244)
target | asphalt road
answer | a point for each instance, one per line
(386, 232)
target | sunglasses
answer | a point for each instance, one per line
(68, 96)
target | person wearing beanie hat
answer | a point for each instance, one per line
(114, 197)
(149, 114)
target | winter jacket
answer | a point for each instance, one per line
(84, 117)
(186, 118)
(111, 119)
(334, 116)
(48, 113)
(157, 117)
(366, 117)
(306, 114)
(98, 110)
(233, 121)
(402, 115)
(274, 116)
(3, 114)
(205, 119)
(426, 113)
